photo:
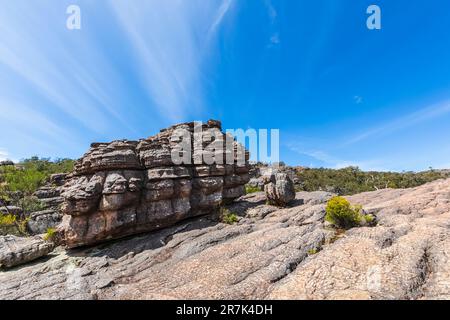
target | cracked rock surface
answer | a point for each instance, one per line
(271, 253)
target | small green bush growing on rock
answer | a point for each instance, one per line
(342, 214)
(313, 251)
(369, 219)
(11, 224)
(50, 234)
(7, 219)
(251, 189)
(228, 217)
(22, 226)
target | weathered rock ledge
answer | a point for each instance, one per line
(128, 187)
(270, 253)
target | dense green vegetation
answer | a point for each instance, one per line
(352, 180)
(28, 175)
(18, 182)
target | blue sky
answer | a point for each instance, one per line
(339, 93)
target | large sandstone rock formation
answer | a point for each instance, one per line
(127, 187)
(271, 253)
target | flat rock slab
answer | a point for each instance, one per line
(271, 253)
(16, 250)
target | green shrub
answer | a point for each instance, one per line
(50, 234)
(30, 204)
(369, 218)
(11, 224)
(228, 217)
(22, 226)
(342, 214)
(250, 189)
(7, 219)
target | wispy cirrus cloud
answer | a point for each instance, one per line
(47, 61)
(132, 68)
(323, 158)
(170, 52)
(220, 14)
(272, 12)
(274, 38)
(358, 99)
(424, 114)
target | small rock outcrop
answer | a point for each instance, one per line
(259, 170)
(50, 196)
(16, 250)
(128, 187)
(279, 189)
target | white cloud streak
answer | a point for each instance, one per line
(168, 38)
(325, 159)
(221, 12)
(406, 121)
(54, 81)
(274, 39)
(33, 51)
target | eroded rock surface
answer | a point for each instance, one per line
(16, 250)
(127, 187)
(270, 253)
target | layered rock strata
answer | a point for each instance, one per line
(127, 187)
(50, 196)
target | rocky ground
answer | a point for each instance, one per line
(271, 253)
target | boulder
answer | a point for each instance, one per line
(279, 189)
(39, 222)
(128, 187)
(16, 250)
